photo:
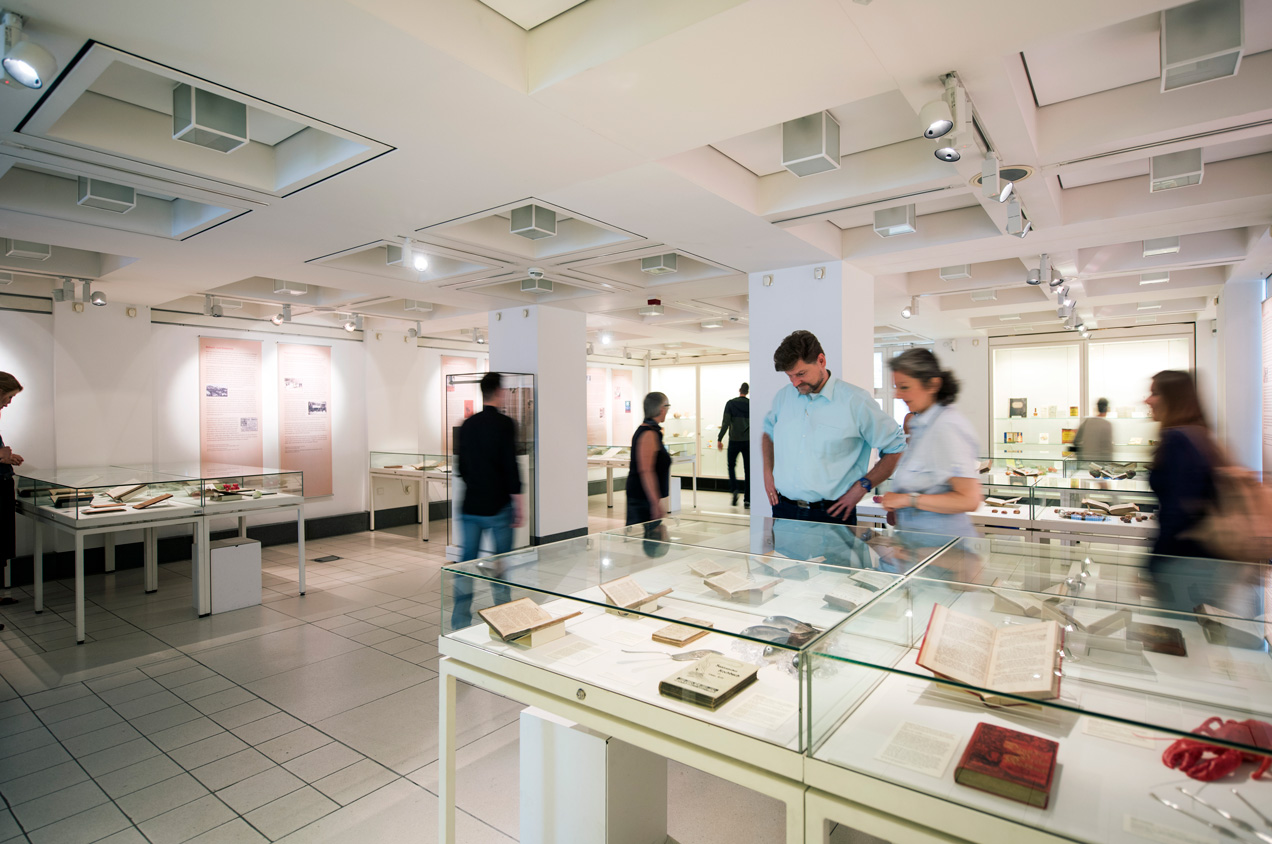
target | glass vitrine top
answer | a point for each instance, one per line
(194, 470)
(92, 477)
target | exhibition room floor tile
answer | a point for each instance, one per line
(304, 719)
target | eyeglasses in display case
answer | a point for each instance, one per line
(947, 711)
(464, 400)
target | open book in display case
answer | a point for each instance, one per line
(1051, 716)
(103, 495)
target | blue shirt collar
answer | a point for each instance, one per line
(828, 389)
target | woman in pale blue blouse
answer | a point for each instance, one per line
(935, 485)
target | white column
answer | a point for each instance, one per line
(551, 344)
(838, 308)
(1241, 371)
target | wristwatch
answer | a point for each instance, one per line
(914, 501)
(865, 484)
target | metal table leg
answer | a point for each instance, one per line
(39, 566)
(108, 541)
(79, 588)
(300, 544)
(446, 756)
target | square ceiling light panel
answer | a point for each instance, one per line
(625, 273)
(444, 264)
(145, 207)
(522, 231)
(114, 109)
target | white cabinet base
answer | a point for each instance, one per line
(579, 785)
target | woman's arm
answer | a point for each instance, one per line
(964, 497)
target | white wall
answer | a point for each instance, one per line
(103, 393)
(968, 359)
(551, 344)
(839, 309)
(1207, 367)
(26, 352)
(1241, 370)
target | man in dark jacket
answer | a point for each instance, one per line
(737, 424)
(492, 488)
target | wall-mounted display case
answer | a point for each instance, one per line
(519, 405)
(615, 402)
(1043, 388)
(698, 393)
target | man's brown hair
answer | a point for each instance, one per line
(799, 346)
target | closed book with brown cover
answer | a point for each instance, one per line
(1009, 763)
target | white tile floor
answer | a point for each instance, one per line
(305, 719)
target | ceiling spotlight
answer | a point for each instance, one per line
(1155, 278)
(1005, 194)
(1033, 277)
(218, 311)
(936, 119)
(606, 338)
(98, 298)
(479, 337)
(413, 332)
(911, 309)
(714, 322)
(1058, 281)
(277, 318)
(948, 152)
(25, 61)
(282, 316)
(354, 323)
(1072, 322)
(1015, 218)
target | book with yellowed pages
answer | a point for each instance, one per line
(1017, 659)
(785, 569)
(734, 586)
(517, 618)
(705, 568)
(848, 596)
(711, 681)
(119, 493)
(627, 593)
(682, 633)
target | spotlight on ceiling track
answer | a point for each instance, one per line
(1034, 277)
(1161, 246)
(282, 316)
(936, 117)
(98, 298)
(1058, 281)
(354, 323)
(413, 333)
(1017, 223)
(948, 152)
(406, 256)
(479, 336)
(26, 62)
(912, 309)
(218, 311)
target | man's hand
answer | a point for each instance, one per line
(7, 456)
(720, 445)
(770, 487)
(841, 508)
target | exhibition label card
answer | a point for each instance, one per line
(576, 652)
(625, 637)
(919, 748)
(1235, 669)
(1124, 733)
(1161, 832)
(764, 711)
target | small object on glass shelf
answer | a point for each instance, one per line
(1017, 407)
(1067, 435)
(1044, 438)
(1073, 410)
(1135, 441)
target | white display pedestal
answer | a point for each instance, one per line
(673, 500)
(580, 785)
(236, 574)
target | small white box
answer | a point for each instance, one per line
(236, 574)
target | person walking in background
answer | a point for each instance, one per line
(9, 387)
(818, 437)
(649, 478)
(492, 488)
(1094, 440)
(737, 424)
(936, 484)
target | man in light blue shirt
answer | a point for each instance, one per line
(818, 437)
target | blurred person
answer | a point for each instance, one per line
(492, 489)
(1183, 479)
(936, 484)
(649, 478)
(737, 424)
(818, 437)
(9, 387)
(1094, 440)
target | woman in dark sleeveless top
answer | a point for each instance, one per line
(649, 479)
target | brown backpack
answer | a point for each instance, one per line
(1237, 524)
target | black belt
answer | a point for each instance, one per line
(805, 505)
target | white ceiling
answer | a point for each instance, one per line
(654, 128)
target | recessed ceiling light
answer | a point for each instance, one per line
(1154, 278)
(1148, 306)
(659, 264)
(714, 322)
(890, 222)
(295, 288)
(1161, 246)
(1009, 318)
(956, 272)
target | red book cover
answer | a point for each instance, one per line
(1009, 763)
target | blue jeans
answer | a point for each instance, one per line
(500, 526)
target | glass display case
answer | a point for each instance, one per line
(106, 494)
(638, 617)
(682, 425)
(1111, 470)
(1077, 503)
(463, 399)
(248, 487)
(718, 384)
(1009, 498)
(614, 402)
(1121, 370)
(608, 463)
(389, 462)
(945, 704)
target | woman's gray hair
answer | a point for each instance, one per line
(922, 366)
(653, 404)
